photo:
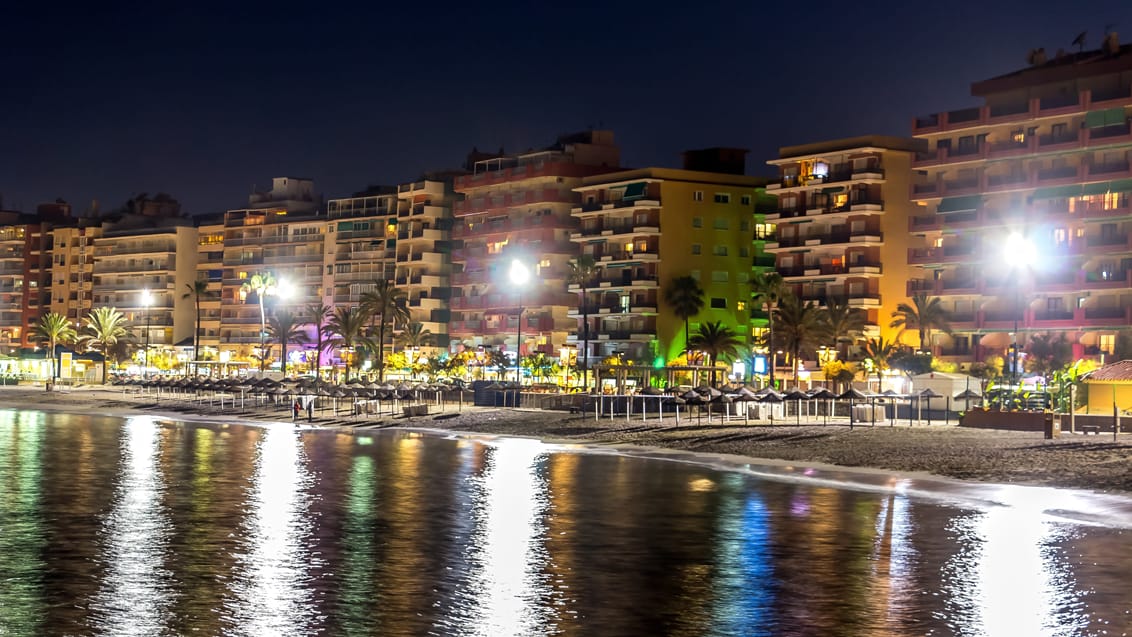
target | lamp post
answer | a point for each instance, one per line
(1020, 254)
(284, 290)
(147, 301)
(519, 276)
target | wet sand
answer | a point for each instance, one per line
(1092, 462)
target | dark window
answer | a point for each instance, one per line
(719, 304)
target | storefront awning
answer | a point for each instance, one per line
(1107, 117)
(960, 204)
(1058, 192)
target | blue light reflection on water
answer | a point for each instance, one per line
(237, 530)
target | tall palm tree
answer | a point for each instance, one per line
(346, 327)
(767, 289)
(389, 305)
(286, 328)
(878, 351)
(102, 329)
(197, 290)
(686, 298)
(716, 340)
(924, 315)
(319, 315)
(582, 272)
(260, 283)
(843, 324)
(800, 327)
(414, 337)
(55, 329)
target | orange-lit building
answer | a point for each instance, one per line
(1045, 156)
(518, 206)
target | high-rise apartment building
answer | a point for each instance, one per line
(518, 207)
(643, 228)
(842, 223)
(424, 253)
(210, 269)
(1044, 157)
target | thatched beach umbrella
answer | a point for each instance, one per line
(823, 393)
(852, 394)
(797, 396)
(929, 394)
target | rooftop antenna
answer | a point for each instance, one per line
(1080, 41)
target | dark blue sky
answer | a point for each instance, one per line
(205, 102)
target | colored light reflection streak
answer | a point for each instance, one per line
(358, 539)
(272, 596)
(22, 537)
(510, 595)
(135, 596)
(744, 588)
(1008, 580)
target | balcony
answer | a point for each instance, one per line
(948, 254)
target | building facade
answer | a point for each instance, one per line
(842, 224)
(643, 228)
(518, 207)
(1045, 158)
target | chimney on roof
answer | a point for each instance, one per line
(1037, 57)
(1111, 43)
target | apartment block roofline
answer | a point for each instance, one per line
(1064, 67)
(670, 174)
(787, 154)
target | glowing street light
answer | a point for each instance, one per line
(520, 274)
(146, 301)
(1020, 253)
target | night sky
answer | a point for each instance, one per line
(206, 102)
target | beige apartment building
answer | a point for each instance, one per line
(209, 268)
(842, 224)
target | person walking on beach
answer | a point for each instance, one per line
(295, 410)
(310, 409)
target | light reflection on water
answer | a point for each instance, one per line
(145, 527)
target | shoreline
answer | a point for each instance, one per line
(1075, 461)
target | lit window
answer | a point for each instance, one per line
(740, 305)
(698, 195)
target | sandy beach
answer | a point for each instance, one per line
(1092, 462)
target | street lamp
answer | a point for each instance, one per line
(519, 276)
(146, 301)
(1020, 253)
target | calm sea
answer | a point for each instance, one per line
(146, 526)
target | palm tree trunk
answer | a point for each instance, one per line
(262, 329)
(770, 340)
(196, 332)
(585, 341)
(318, 353)
(283, 360)
(381, 350)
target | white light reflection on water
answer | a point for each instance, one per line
(894, 588)
(273, 596)
(508, 591)
(1009, 579)
(135, 594)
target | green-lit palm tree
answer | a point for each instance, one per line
(686, 298)
(260, 284)
(346, 327)
(877, 352)
(767, 288)
(285, 328)
(55, 329)
(103, 327)
(582, 272)
(319, 313)
(924, 314)
(197, 290)
(717, 341)
(843, 324)
(389, 306)
(416, 336)
(800, 327)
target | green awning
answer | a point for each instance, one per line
(1107, 117)
(635, 191)
(960, 204)
(1120, 185)
(345, 226)
(1059, 192)
(832, 189)
(1098, 188)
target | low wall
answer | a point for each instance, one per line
(1035, 421)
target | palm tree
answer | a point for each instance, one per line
(286, 328)
(768, 288)
(390, 306)
(540, 365)
(414, 337)
(716, 340)
(56, 330)
(686, 297)
(800, 327)
(261, 284)
(582, 272)
(924, 315)
(104, 327)
(877, 352)
(319, 314)
(346, 327)
(197, 290)
(842, 323)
